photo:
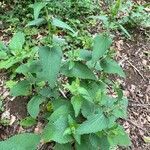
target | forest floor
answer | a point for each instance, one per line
(134, 57)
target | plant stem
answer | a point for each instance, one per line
(50, 36)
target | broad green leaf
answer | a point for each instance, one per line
(58, 23)
(94, 123)
(79, 70)
(85, 55)
(33, 106)
(63, 146)
(86, 144)
(119, 137)
(121, 110)
(3, 55)
(84, 93)
(57, 103)
(87, 109)
(101, 45)
(63, 110)
(111, 66)
(50, 59)
(17, 42)
(93, 88)
(76, 102)
(32, 67)
(54, 131)
(22, 88)
(37, 7)
(99, 142)
(25, 141)
(10, 83)
(48, 92)
(28, 122)
(37, 22)
(23, 68)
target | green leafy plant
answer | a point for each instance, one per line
(73, 88)
(124, 16)
(14, 53)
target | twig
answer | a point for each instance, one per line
(63, 94)
(140, 105)
(133, 123)
(3, 73)
(136, 69)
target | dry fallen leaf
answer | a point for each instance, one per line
(146, 139)
(6, 115)
(12, 119)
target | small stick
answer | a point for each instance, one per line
(133, 123)
(3, 73)
(63, 94)
(136, 69)
(139, 105)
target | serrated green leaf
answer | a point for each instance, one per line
(28, 122)
(101, 45)
(22, 88)
(50, 59)
(63, 110)
(37, 22)
(3, 55)
(17, 42)
(99, 142)
(76, 102)
(32, 67)
(121, 110)
(58, 23)
(87, 108)
(111, 66)
(33, 105)
(54, 131)
(94, 123)
(93, 88)
(48, 92)
(21, 142)
(37, 7)
(60, 102)
(119, 137)
(84, 93)
(79, 70)
(85, 144)
(85, 55)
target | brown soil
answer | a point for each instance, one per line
(134, 58)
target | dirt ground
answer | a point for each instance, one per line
(134, 56)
